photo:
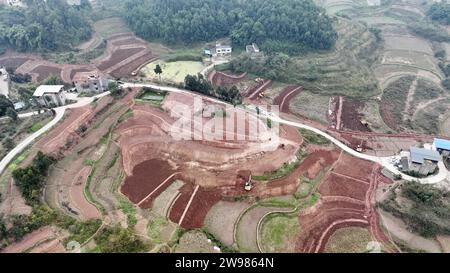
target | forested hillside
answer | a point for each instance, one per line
(278, 25)
(440, 12)
(44, 25)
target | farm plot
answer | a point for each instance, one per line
(44, 72)
(149, 179)
(311, 106)
(414, 59)
(173, 71)
(408, 44)
(352, 117)
(117, 57)
(284, 98)
(246, 230)
(349, 240)
(221, 220)
(220, 78)
(190, 210)
(335, 6)
(278, 233)
(194, 242)
(13, 62)
(346, 201)
(381, 20)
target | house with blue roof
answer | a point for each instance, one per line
(442, 145)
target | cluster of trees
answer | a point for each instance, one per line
(273, 66)
(440, 12)
(31, 180)
(200, 84)
(44, 25)
(427, 211)
(119, 240)
(7, 108)
(282, 25)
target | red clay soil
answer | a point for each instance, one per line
(354, 167)
(75, 71)
(13, 62)
(128, 41)
(219, 78)
(202, 202)
(283, 99)
(336, 185)
(387, 113)
(351, 116)
(347, 200)
(118, 56)
(310, 167)
(180, 203)
(147, 176)
(126, 70)
(254, 92)
(45, 71)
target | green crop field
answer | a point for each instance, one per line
(173, 71)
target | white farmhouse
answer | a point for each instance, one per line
(90, 82)
(50, 95)
(221, 50)
(4, 82)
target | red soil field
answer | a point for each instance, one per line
(310, 167)
(387, 113)
(345, 202)
(45, 71)
(203, 201)
(336, 185)
(75, 71)
(313, 235)
(180, 203)
(13, 62)
(132, 66)
(354, 167)
(351, 116)
(147, 176)
(118, 56)
(131, 40)
(253, 93)
(219, 78)
(283, 99)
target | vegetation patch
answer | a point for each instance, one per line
(279, 233)
(119, 240)
(349, 240)
(424, 208)
(304, 25)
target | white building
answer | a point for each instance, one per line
(222, 50)
(90, 82)
(5, 82)
(253, 48)
(50, 95)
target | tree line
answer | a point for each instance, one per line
(282, 25)
(440, 12)
(200, 84)
(44, 25)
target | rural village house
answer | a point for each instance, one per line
(4, 82)
(50, 95)
(90, 82)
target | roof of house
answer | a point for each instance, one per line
(442, 144)
(223, 47)
(419, 155)
(43, 89)
(83, 76)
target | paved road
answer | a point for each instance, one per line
(384, 161)
(31, 138)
